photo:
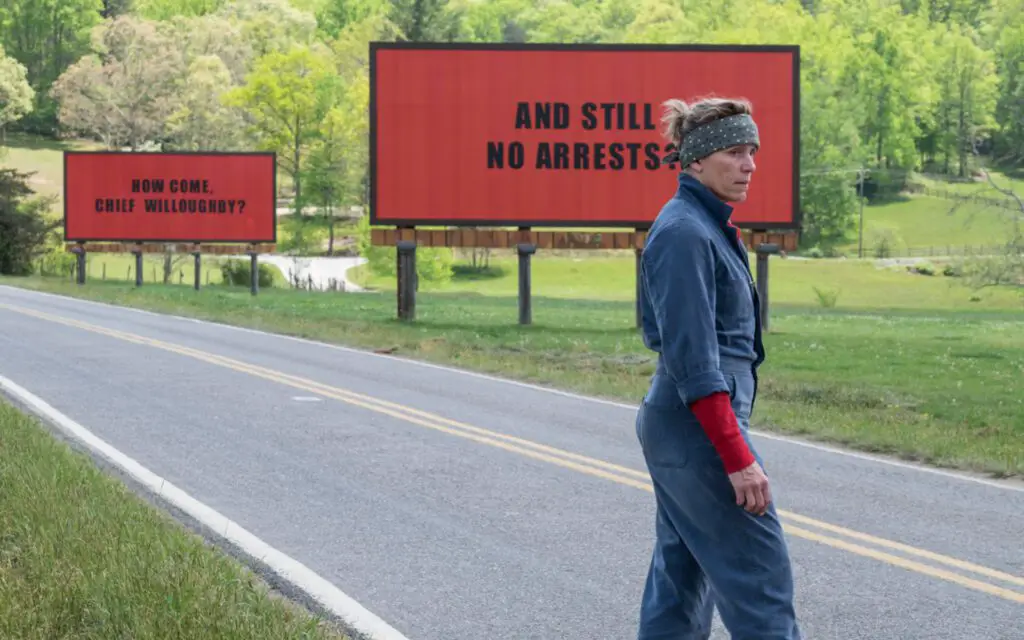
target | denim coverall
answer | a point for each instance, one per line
(700, 314)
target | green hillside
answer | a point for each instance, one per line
(940, 217)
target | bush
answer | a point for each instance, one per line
(827, 298)
(56, 262)
(469, 272)
(883, 242)
(239, 273)
(433, 264)
(923, 268)
(23, 228)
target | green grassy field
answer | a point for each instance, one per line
(925, 223)
(933, 221)
(923, 374)
(855, 284)
(83, 557)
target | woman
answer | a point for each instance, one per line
(719, 540)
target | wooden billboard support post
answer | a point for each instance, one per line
(254, 270)
(406, 268)
(197, 266)
(79, 250)
(525, 250)
(764, 249)
(137, 251)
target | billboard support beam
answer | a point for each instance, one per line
(406, 257)
(763, 251)
(198, 266)
(80, 266)
(254, 272)
(138, 266)
(525, 251)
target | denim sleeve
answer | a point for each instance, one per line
(678, 272)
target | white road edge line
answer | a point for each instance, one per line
(568, 394)
(302, 577)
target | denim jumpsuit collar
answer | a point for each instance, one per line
(717, 209)
(720, 211)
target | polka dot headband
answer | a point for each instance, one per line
(715, 136)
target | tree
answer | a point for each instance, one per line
(211, 35)
(16, 95)
(338, 159)
(425, 20)
(46, 36)
(967, 95)
(24, 229)
(496, 21)
(337, 173)
(114, 8)
(1005, 268)
(202, 122)
(832, 112)
(126, 90)
(287, 95)
(166, 9)
(335, 15)
(268, 26)
(1007, 35)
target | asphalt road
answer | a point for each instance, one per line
(454, 505)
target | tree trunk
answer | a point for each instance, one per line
(295, 158)
(330, 230)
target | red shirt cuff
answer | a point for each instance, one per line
(715, 414)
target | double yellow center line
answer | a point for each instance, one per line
(794, 523)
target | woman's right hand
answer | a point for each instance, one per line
(752, 490)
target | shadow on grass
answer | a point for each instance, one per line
(889, 198)
(38, 143)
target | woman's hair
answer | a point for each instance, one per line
(681, 118)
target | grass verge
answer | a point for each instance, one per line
(83, 557)
(923, 384)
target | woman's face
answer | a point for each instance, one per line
(728, 172)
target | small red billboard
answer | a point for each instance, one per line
(170, 197)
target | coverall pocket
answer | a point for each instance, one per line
(730, 381)
(670, 435)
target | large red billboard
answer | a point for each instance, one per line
(170, 197)
(564, 135)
